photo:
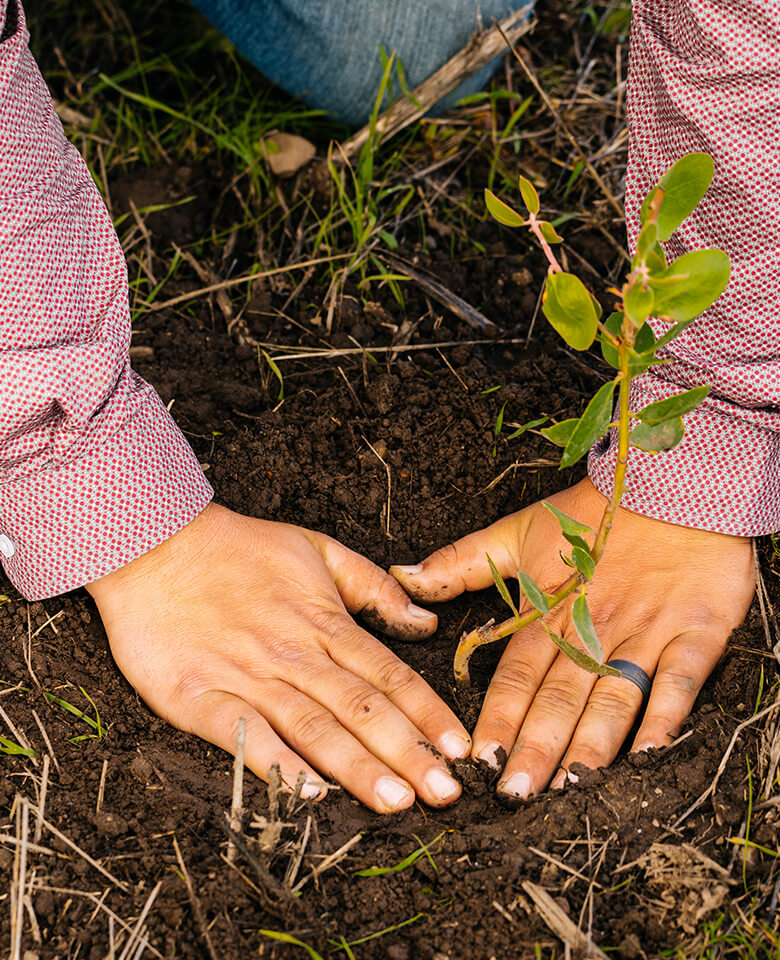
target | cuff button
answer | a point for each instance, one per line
(7, 548)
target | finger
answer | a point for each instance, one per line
(519, 675)
(462, 565)
(611, 711)
(315, 733)
(215, 717)
(382, 729)
(682, 671)
(547, 728)
(364, 656)
(367, 590)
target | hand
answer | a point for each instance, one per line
(234, 617)
(663, 596)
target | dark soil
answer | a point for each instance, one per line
(307, 461)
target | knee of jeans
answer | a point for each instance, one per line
(327, 52)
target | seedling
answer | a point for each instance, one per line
(95, 723)
(12, 749)
(675, 293)
(422, 851)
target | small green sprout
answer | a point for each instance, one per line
(675, 293)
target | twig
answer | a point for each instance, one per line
(195, 902)
(560, 924)
(563, 866)
(20, 879)
(295, 864)
(237, 281)
(262, 871)
(315, 353)
(722, 765)
(101, 787)
(457, 305)
(481, 49)
(136, 934)
(42, 799)
(236, 805)
(329, 861)
(46, 739)
(83, 854)
(389, 485)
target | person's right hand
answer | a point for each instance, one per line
(234, 617)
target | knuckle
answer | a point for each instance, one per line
(515, 678)
(309, 727)
(539, 754)
(362, 704)
(612, 703)
(395, 676)
(558, 699)
(677, 682)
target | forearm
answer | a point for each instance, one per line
(92, 469)
(705, 77)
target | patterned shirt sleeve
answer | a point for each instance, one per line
(93, 470)
(705, 76)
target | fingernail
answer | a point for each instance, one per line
(441, 785)
(518, 785)
(643, 747)
(561, 779)
(419, 614)
(393, 794)
(312, 789)
(454, 746)
(411, 571)
(489, 755)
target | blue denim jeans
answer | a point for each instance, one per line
(327, 51)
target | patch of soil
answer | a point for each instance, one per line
(430, 414)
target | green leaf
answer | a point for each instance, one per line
(638, 303)
(671, 333)
(567, 524)
(500, 420)
(580, 657)
(646, 241)
(684, 184)
(656, 437)
(674, 406)
(576, 541)
(584, 562)
(583, 624)
(288, 938)
(571, 309)
(613, 323)
(503, 589)
(560, 433)
(536, 597)
(530, 196)
(549, 232)
(527, 426)
(12, 749)
(691, 284)
(502, 211)
(592, 425)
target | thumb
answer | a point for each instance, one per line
(367, 590)
(462, 565)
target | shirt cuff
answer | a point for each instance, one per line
(723, 477)
(67, 526)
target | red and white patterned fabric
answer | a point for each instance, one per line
(93, 471)
(705, 75)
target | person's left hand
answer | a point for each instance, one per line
(664, 597)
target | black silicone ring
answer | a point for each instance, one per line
(636, 675)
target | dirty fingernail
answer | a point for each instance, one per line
(490, 754)
(393, 794)
(643, 747)
(518, 785)
(441, 785)
(411, 571)
(419, 614)
(558, 781)
(454, 746)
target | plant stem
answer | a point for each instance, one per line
(489, 633)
